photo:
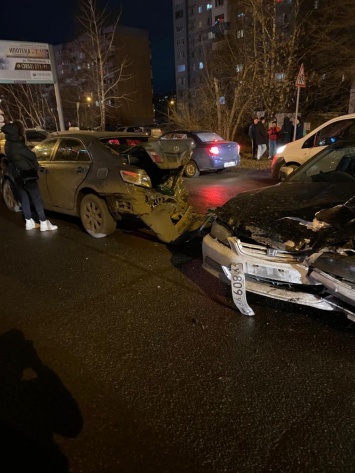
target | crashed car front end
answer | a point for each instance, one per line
(256, 268)
(282, 260)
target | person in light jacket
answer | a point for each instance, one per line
(261, 138)
(20, 158)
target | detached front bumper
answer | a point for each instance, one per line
(278, 275)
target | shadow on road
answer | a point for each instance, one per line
(34, 405)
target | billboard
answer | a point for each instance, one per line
(25, 63)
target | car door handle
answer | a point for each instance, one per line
(42, 169)
(80, 169)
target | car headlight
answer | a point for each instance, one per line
(221, 232)
(281, 149)
(136, 178)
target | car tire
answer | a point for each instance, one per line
(95, 217)
(191, 169)
(9, 198)
(293, 166)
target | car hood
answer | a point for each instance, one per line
(288, 215)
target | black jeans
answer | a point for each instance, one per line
(27, 193)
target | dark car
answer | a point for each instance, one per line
(268, 241)
(211, 152)
(86, 174)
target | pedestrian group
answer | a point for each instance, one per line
(263, 139)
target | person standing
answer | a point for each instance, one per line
(286, 131)
(261, 138)
(252, 135)
(273, 133)
(299, 129)
(21, 158)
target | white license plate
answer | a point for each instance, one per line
(229, 164)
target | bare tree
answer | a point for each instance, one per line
(254, 65)
(107, 65)
(30, 103)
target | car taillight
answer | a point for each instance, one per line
(156, 157)
(213, 150)
(136, 178)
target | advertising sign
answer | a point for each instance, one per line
(25, 63)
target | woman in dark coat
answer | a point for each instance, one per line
(20, 158)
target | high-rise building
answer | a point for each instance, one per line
(78, 87)
(197, 26)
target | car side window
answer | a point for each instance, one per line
(70, 149)
(44, 150)
(331, 133)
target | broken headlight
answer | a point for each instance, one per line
(221, 232)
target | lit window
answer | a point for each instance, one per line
(200, 65)
(239, 68)
(240, 33)
(199, 9)
(280, 76)
(209, 6)
(181, 68)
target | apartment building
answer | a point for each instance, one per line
(198, 24)
(78, 90)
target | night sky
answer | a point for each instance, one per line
(41, 21)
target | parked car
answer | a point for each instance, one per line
(297, 152)
(151, 130)
(33, 137)
(211, 152)
(121, 140)
(268, 241)
(85, 174)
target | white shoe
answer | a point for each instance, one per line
(47, 226)
(31, 224)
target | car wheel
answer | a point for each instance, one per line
(9, 196)
(191, 169)
(95, 216)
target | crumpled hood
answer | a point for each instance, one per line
(11, 132)
(279, 214)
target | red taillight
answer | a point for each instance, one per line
(156, 157)
(213, 150)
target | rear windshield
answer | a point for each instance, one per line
(206, 137)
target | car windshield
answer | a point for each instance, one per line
(334, 164)
(206, 137)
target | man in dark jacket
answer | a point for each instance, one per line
(252, 134)
(261, 138)
(21, 158)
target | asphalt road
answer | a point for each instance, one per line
(122, 355)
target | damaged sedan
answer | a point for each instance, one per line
(294, 241)
(93, 176)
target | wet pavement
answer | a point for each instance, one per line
(122, 355)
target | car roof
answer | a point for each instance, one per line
(98, 134)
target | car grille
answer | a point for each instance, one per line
(256, 250)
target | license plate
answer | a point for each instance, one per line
(229, 164)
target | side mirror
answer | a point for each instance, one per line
(285, 171)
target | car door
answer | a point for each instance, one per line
(44, 152)
(67, 169)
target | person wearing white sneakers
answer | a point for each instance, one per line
(21, 158)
